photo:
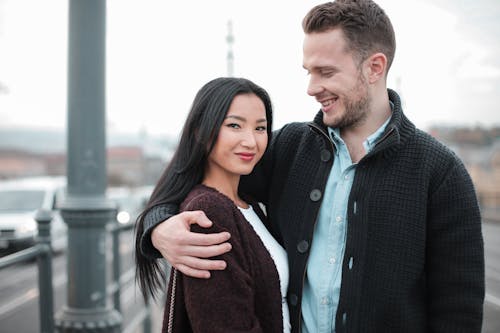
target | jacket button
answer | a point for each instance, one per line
(315, 195)
(325, 155)
(293, 299)
(303, 246)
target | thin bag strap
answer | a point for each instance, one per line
(172, 302)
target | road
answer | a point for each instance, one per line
(19, 294)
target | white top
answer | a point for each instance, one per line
(279, 256)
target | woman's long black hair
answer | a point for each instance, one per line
(187, 166)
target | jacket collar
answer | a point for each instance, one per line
(397, 131)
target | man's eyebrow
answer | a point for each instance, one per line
(320, 68)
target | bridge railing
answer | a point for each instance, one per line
(42, 251)
(120, 280)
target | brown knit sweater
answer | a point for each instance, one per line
(245, 297)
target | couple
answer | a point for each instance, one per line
(378, 222)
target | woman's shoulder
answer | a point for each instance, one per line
(213, 203)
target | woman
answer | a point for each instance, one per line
(225, 135)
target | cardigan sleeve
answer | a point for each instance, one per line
(224, 302)
(455, 256)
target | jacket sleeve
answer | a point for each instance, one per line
(225, 302)
(153, 217)
(455, 256)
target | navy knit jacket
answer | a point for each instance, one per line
(414, 228)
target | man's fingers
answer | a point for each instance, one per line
(186, 250)
(205, 251)
(195, 273)
(195, 238)
(200, 268)
(197, 217)
(204, 264)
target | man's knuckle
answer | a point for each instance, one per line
(197, 214)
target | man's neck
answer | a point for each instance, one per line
(355, 136)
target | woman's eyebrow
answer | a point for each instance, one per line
(262, 120)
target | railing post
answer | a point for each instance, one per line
(115, 232)
(146, 325)
(46, 300)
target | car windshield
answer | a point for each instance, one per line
(19, 200)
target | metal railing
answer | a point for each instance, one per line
(42, 251)
(119, 280)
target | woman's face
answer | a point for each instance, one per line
(242, 138)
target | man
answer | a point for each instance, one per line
(380, 221)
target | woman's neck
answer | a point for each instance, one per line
(227, 186)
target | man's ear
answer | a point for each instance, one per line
(376, 66)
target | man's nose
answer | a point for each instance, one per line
(314, 87)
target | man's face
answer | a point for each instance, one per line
(336, 79)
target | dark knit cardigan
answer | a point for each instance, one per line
(245, 297)
(414, 228)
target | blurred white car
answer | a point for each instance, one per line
(19, 200)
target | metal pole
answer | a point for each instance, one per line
(230, 55)
(86, 210)
(115, 232)
(46, 301)
(146, 326)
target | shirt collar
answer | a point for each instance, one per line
(370, 140)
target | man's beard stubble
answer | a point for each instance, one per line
(356, 111)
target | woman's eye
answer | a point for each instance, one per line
(261, 128)
(233, 125)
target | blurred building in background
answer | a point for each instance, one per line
(479, 149)
(132, 160)
(17, 163)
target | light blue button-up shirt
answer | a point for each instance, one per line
(324, 270)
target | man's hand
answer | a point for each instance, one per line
(187, 251)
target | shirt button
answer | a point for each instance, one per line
(332, 260)
(346, 177)
(338, 219)
(315, 195)
(325, 155)
(303, 246)
(325, 301)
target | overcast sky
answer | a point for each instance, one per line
(159, 53)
